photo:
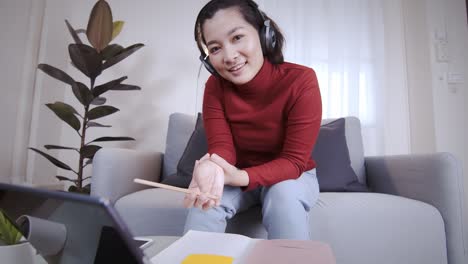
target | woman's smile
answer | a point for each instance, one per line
(236, 69)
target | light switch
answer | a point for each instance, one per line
(455, 78)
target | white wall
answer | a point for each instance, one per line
(450, 99)
(449, 19)
(438, 112)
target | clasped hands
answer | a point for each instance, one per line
(210, 175)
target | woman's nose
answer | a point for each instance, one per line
(230, 55)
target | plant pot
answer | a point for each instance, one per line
(21, 253)
(47, 237)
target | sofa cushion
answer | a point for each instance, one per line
(154, 212)
(334, 171)
(197, 146)
(355, 146)
(370, 228)
(179, 129)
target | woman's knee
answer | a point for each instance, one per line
(282, 204)
(286, 194)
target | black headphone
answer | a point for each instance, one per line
(267, 39)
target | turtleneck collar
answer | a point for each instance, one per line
(260, 83)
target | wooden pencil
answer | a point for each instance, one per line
(170, 187)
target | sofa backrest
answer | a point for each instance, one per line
(181, 126)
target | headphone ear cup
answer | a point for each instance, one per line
(268, 38)
(208, 65)
(271, 38)
(263, 40)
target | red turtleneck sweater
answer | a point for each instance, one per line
(268, 126)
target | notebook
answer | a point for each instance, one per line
(94, 231)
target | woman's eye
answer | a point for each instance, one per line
(237, 37)
(214, 49)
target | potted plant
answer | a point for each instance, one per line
(13, 249)
(91, 60)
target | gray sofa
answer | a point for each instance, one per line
(414, 214)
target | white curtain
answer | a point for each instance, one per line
(352, 45)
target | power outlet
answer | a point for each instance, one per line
(442, 51)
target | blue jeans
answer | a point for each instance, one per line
(285, 208)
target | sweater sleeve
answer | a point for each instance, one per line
(217, 129)
(302, 128)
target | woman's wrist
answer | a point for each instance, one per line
(244, 178)
(239, 178)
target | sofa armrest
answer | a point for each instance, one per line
(114, 170)
(436, 179)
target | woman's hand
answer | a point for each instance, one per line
(232, 175)
(207, 178)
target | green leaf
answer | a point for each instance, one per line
(100, 89)
(56, 73)
(103, 139)
(99, 30)
(99, 101)
(17, 238)
(86, 59)
(66, 113)
(55, 161)
(87, 188)
(8, 232)
(82, 93)
(73, 33)
(48, 147)
(81, 30)
(94, 124)
(110, 51)
(73, 188)
(125, 87)
(101, 111)
(122, 55)
(62, 178)
(117, 28)
(88, 151)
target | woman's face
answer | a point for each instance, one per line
(233, 45)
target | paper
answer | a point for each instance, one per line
(207, 259)
(197, 247)
(198, 242)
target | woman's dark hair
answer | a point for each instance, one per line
(251, 13)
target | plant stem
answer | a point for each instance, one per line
(80, 162)
(80, 179)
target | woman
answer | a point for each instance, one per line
(262, 116)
